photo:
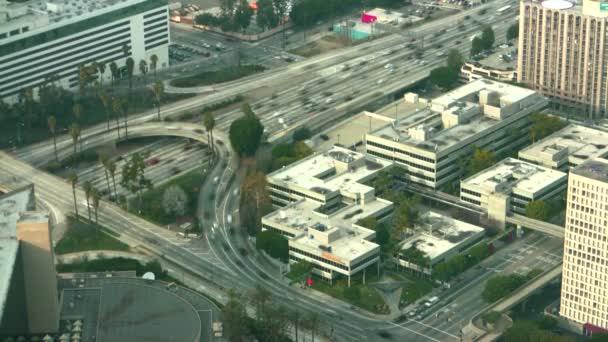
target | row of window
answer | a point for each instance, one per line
(149, 42)
(294, 192)
(282, 232)
(394, 149)
(319, 258)
(69, 51)
(470, 192)
(470, 200)
(402, 161)
(75, 62)
(163, 42)
(151, 22)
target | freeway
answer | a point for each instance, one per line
(349, 90)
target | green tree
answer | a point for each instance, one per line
(544, 125)
(246, 135)
(77, 111)
(75, 134)
(112, 172)
(234, 315)
(242, 15)
(455, 60)
(143, 68)
(104, 160)
(300, 269)
(73, 179)
(101, 69)
(513, 31)
(528, 331)
(383, 235)
(154, 64)
(282, 9)
(133, 175)
(407, 215)
(444, 77)
(312, 322)
(266, 17)
(538, 210)
(159, 90)
(206, 19)
(476, 46)
(481, 160)
(105, 102)
(295, 316)
(88, 187)
(209, 123)
(246, 110)
(274, 244)
(301, 133)
(52, 122)
(500, 286)
(259, 297)
(487, 38)
(599, 337)
(254, 201)
(95, 197)
(117, 109)
(130, 64)
(113, 72)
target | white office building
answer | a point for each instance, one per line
(510, 185)
(42, 40)
(567, 148)
(429, 143)
(320, 201)
(438, 239)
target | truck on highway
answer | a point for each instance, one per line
(432, 301)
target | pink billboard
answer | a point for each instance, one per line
(368, 18)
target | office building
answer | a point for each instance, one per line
(320, 201)
(29, 303)
(567, 148)
(430, 143)
(562, 52)
(510, 185)
(471, 71)
(438, 239)
(584, 295)
(43, 40)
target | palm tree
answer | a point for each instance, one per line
(73, 178)
(95, 197)
(75, 133)
(87, 193)
(52, 121)
(117, 108)
(313, 322)
(113, 72)
(105, 101)
(259, 297)
(104, 159)
(153, 63)
(101, 68)
(209, 123)
(143, 68)
(130, 67)
(159, 89)
(112, 171)
(77, 110)
(296, 318)
(28, 97)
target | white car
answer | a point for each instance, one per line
(389, 66)
(229, 219)
(380, 81)
(216, 179)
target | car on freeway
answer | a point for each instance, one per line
(152, 161)
(324, 137)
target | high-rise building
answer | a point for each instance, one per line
(48, 40)
(562, 52)
(584, 296)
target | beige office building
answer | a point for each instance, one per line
(584, 297)
(562, 52)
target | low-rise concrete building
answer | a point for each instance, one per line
(471, 71)
(510, 185)
(320, 201)
(429, 143)
(439, 238)
(567, 148)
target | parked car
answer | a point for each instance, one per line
(152, 161)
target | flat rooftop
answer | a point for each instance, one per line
(129, 309)
(444, 138)
(580, 142)
(595, 169)
(440, 234)
(351, 243)
(515, 173)
(326, 172)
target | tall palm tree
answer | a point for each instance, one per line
(130, 63)
(52, 121)
(117, 108)
(73, 178)
(313, 322)
(105, 101)
(153, 64)
(112, 172)
(77, 110)
(259, 297)
(101, 68)
(75, 134)
(159, 89)
(95, 197)
(88, 187)
(209, 123)
(296, 319)
(28, 97)
(143, 68)
(113, 72)
(104, 159)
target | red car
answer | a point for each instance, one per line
(152, 161)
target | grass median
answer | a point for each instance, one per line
(219, 76)
(87, 236)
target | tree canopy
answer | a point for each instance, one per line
(255, 201)
(443, 77)
(455, 59)
(544, 125)
(487, 38)
(246, 135)
(477, 46)
(481, 160)
(500, 286)
(539, 210)
(513, 31)
(273, 243)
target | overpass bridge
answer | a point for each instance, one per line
(516, 219)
